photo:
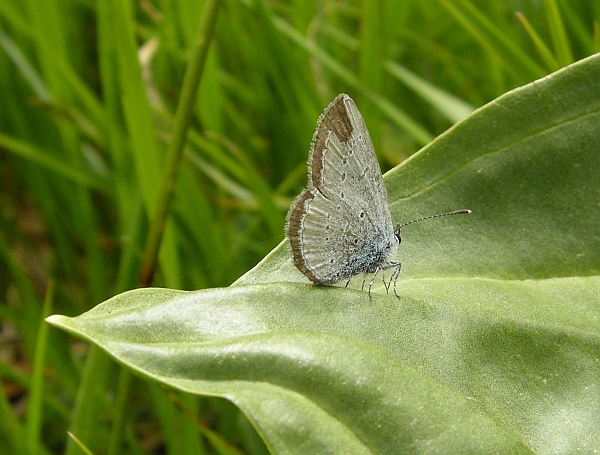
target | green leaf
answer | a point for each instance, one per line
(494, 343)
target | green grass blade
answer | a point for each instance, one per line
(177, 142)
(48, 161)
(120, 414)
(551, 63)
(451, 107)
(562, 46)
(513, 59)
(33, 426)
(12, 433)
(420, 134)
(26, 69)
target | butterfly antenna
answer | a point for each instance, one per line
(457, 212)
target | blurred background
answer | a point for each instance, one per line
(88, 92)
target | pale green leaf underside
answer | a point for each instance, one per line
(493, 346)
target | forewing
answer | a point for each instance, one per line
(343, 160)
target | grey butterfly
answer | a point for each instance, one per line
(340, 225)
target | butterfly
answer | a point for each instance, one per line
(340, 225)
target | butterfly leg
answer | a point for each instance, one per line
(385, 284)
(373, 279)
(395, 278)
(388, 284)
(362, 287)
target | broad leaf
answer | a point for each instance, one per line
(494, 343)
